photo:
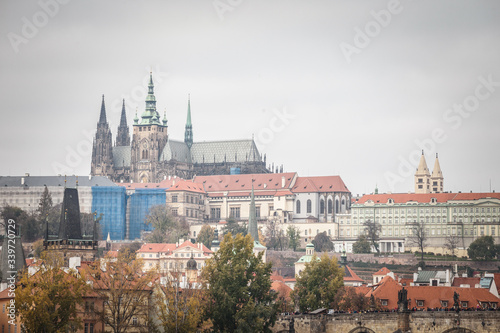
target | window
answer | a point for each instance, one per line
(297, 207)
(134, 321)
(322, 206)
(444, 304)
(383, 302)
(257, 211)
(465, 304)
(309, 206)
(330, 206)
(420, 303)
(215, 213)
(234, 212)
(175, 212)
(174, 198)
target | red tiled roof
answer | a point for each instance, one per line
(186, 185)
(5, 294)
(424, 197)
(471, 281)
(496, 277)
(168, 247)
(266, 181)
(319, 184)
(166, 183)
(388, 290)
(382, 271)
(351, 276)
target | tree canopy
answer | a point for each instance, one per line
(49, 300)
(234, 227)
(362, 245)
(238, 285)
(483, 248)
(418, 237)
(206, 235)
(318, 283)
(322, 242)
(373, 229)
(293, 234)
(166, 227)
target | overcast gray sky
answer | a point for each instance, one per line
(326, 87)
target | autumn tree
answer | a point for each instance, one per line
(234, 227)
(126, 291)
(322, 242)
(482, 248)
(179, 309)
(166, 227)
(293, 234)
(362, 245)
(418, 237)
(238, 287)
(206, 235)
(128, 251)
(49, 300)
(347, 299)
(318, 283)
(372, 230)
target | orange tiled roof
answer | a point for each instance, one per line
(424, 197)
(169, 247)
(382, 271)
(387, 290)
(319, 184)
(351, 276)
(496, 277)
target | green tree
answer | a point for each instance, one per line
(44, 205)
(234, 227)
(318, 283)
(166, 228)
(238, 285)
(293, 237)
(49, 300)
(275, 237)
(372, 230)
(129, 251)
(322, 242)
(347, 299)
(482, 248)
(362, 245)
(206, 235)
(26, 223)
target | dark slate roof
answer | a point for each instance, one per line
(34, 181)
(121, 156)
(231, 151)
(176, 150)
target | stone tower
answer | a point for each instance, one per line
(148, 140)
(102, 155)
(123, 135)
(437, 178)
(188, 133)
(422, 177)
(69, 242)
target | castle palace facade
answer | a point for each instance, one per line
(152, 156)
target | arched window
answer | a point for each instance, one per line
(298, 207)
(330, 206)
(343, 205)
(309, 206)
(336, 206)
(322, 206)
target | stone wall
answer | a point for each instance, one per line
(384, 322)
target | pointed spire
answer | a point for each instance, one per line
(188, 133)
(94, 231)
(136, 118)
(123, 117)
(150, 112)
(422, 165)
(102, 117)
(436, 171)
(252, 219)
(165, 117)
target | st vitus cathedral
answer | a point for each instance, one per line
(153, 156)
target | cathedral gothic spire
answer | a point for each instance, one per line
(102, 116)
(123, 135)
(437, 177)
(188, 133)
(102, 155)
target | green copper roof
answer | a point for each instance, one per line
(150, 116)
(188, 133)
(188, 121)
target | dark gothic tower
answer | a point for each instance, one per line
(123, 135)
(188, 133)
(102, 158)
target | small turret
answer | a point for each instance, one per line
(188, 133)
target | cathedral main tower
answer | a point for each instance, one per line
(102, 154)
(148, 140)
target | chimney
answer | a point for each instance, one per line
(22, 180)
(26, 174)
(282, 181)
(90, 177)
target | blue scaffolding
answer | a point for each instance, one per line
(110, 202)
(139, 204)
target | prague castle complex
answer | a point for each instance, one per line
(152, 156)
